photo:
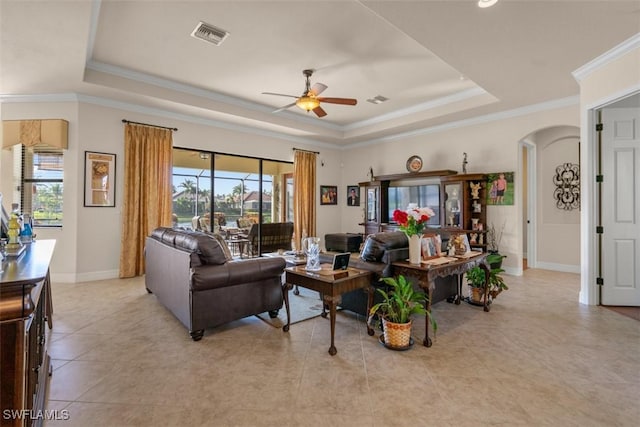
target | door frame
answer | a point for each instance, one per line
(589, 157)
(532, 230)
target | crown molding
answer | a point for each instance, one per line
(439, 102)
(595, 64)
(126, 106)
(202, 93)
(502, 115)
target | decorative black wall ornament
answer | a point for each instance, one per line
(567, 181)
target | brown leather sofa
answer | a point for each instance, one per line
(194, 276)
(378, 253)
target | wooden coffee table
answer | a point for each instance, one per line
(331, 285)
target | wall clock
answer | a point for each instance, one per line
(414, 164)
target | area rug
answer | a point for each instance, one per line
(305, 306)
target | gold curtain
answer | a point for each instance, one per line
(147, 192)
(304, 196)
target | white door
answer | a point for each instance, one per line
(621, 206)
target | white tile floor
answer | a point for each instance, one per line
(539, 358)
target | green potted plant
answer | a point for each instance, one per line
(476, 280)
(494, 237)
(399, 302)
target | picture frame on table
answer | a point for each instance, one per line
(430, 246)
(99, 179)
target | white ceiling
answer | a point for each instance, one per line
(436, 61)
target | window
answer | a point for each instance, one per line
(41, 185)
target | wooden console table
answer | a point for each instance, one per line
(426, 277)
(25, 309)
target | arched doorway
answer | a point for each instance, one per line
(550, 226)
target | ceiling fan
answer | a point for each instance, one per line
(310, 101)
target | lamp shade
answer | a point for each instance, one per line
(51, 132)
(307, 103)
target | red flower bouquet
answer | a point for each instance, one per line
(413, 220)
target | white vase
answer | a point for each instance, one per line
(414, 249)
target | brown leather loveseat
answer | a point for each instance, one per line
(194, 276)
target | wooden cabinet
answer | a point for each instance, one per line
(25, 310)
(464, 206)
(376, 197)
(375, 201)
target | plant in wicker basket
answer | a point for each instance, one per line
(400, 301)
(476, 282)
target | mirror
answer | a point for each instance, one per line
(453, 193)
(372, 202)
(421, 195)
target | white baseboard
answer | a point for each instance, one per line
(565, 268)
(84, 277)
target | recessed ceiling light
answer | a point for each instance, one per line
(486, 3)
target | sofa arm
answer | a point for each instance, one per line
(391, 256)
(236, 272)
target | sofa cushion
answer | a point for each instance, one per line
(210, 248)
(376, 245)
(225, 247)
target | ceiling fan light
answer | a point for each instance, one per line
(486, 3)
(307, 103)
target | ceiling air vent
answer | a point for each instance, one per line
(209, 33)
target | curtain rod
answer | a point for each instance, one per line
(147, 124)
(308, 151)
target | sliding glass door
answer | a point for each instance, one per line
(236, 191)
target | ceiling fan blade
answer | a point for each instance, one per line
(317, 88)
(278, 94)
(343, 101)
(284, 108)
(319, 112)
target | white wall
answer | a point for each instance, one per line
(89, 243)
(491, 146)
(607, 78)
(64, 258)
(557, 231)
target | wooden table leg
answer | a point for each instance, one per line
(427, 341)
(285, 294)
(333, 303)
(49, 301)
(370, 291)
(487, 273)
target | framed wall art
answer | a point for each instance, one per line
(99, 179)
(500, 188)
(328, 195)
(353, 195)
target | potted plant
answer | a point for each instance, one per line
(494, 237)
(399, 302)
(476, 280)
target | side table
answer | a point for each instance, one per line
(426, 277)
(331, 286)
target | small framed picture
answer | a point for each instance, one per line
(99, 179)
(460, 243)
(328, 195)
(353, 195)
(430, 246)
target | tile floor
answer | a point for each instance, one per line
(539, 358)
